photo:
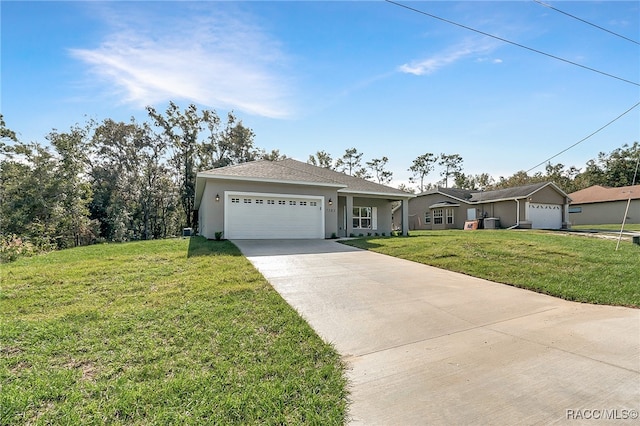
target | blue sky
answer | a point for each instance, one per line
(309, 76)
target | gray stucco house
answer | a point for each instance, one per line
(538, 206)
(290, 199)
(598, 205)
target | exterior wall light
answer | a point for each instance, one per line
(330, 202)
(217, 197)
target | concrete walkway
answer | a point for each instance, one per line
(428, 346)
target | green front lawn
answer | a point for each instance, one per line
(572, 267)
(615, 227)
(181, 331)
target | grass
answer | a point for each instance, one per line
(569, 266)
(181, 331)
(615, 228)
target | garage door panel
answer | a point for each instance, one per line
(258, 216)
(545, 216)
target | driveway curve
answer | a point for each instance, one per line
(428, 346)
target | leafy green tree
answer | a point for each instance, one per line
(73, 150)
(565, 179)
(350, 162)
(377, 166)
(182, 130)
(274, 155)
(321, 159)
(29, 188)
(134, 194)
(452, 165)
(518, 179)
(6, 133)
(232, 144)
(614, 169)
(421, 167)
(405, 188)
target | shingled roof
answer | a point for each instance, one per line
(474, 196)
(296, 172)
(601, 194)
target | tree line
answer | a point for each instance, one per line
(122, 181)
(113, 181)
(614, 169)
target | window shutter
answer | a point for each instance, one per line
(374, 218)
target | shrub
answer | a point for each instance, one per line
(218, 235)
(12, 247)
(333, 236)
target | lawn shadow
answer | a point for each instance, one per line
(200, 246)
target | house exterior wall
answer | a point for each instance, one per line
(508, 211)
(211, 212)
(610, 212)
(503, 210)
(420, 205)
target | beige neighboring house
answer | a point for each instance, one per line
(598, 205)
(538, 206)
(290, 199)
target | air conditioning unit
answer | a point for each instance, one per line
(491, 223)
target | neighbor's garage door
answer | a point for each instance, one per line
(545, 216)
(273, 216)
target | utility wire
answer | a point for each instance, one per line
(511, 42)
(586, 22)
(585, 138)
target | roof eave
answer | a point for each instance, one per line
(346, 190)
(270, 180)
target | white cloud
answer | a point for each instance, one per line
(442, 59)
(218, 61)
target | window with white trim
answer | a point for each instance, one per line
(449, 215)
(313, 203)
(362, 218)
(281, 202)
(271, 202)
(427, 218)
(292, 203)
(303, 203)
(259, 201)
(247, 200)
(437, 216)
(235, 200)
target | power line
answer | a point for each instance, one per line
(586, 22)
(511, 42)
(585, 138)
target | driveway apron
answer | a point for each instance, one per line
(428, 346)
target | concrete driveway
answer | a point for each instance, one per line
(428, 346)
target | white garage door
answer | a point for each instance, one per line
(273, 216)
(545, 216)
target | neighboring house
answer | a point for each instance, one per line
(537, 206)
(291, 199)
(599, 205)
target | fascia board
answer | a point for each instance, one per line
(267, 180)
(376, 194)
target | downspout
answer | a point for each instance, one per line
(517, 215)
